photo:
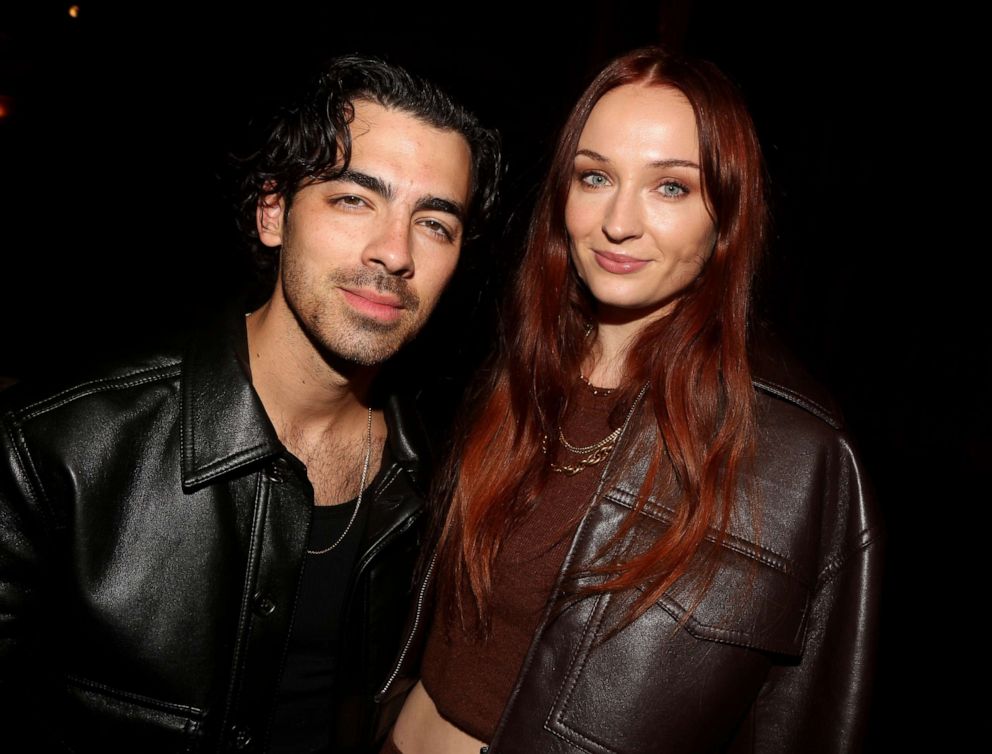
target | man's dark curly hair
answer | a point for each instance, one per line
(309, 140)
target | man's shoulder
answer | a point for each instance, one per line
(80, 385)
(130, 369)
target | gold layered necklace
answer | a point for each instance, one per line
(588, 455)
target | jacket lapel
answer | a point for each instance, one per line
(224, 425)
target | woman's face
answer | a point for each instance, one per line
(635, 213)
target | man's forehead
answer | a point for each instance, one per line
(370, 116)
(401, 149)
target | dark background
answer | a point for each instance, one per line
(115, 227)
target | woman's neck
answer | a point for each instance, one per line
(614, 333)
(607, 359)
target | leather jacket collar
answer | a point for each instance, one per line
(225, 427)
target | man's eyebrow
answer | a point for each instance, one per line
(673, 163)
(383, 189)
(370, 182)
(438, 204)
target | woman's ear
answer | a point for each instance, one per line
(269, 217)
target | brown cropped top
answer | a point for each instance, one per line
(470, 678)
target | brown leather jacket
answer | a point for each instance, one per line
(778, 655)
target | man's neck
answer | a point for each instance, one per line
(301, 391)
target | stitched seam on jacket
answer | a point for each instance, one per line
(734, 543)
(36, 489)
(570, 741)
(745, 639)
(95, 386)
(243, 637)
(575, 679)
(391, 475)
(145, 701)
(284, 659)
(867, 537)
(571, 663)
(546, 614)
(391, 535)
(800, 400)
(232, 462)
(584, 737)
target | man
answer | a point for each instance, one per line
(212, 549)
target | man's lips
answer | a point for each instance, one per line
(384, 307)
(618, 264)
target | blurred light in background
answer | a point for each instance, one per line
(6, 106)
(74, 11)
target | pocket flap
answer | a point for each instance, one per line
(753, 601)
(748, 603)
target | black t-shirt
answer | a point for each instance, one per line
(301, 721)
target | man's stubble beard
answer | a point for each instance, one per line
(340, 333)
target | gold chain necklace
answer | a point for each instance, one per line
(594, 453)
(361, 490)
(599, 392)
(588, 448)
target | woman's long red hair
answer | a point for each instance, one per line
(694, 359)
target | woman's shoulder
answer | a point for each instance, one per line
(808, 477)
(779, 377)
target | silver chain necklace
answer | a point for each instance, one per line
(361, 490)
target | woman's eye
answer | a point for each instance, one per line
(593, 180)
(673, 190)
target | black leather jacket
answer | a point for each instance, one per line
(777, 656)
(152, 530)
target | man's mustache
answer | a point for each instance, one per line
(380, 282)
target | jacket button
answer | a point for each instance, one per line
(263, 605)
(242, 738)
(278, 470)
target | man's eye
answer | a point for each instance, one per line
(437, 229)
(593, 180)
(349, 200)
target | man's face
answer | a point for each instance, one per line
(365, 257)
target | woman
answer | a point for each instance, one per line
(658, 539)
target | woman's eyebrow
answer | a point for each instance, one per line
(670, 163)
(594, 155)
(674, 163)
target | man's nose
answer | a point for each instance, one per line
(390, 248)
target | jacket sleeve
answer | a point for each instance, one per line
(820, 702)
(21, 545)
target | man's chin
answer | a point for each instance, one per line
(364, 349)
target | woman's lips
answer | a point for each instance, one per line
(618, 264)
(380, 306)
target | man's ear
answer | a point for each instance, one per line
(269, 218)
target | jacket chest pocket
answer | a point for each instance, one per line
(97, 718)
(667, 682)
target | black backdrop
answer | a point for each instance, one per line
(115, 228)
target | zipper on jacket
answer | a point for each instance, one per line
(413, 629)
